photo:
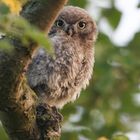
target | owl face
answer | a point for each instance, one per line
(74, 22)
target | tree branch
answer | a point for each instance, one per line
(17, 101)
(42, 16)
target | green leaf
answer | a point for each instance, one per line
(20, 28)
(113, 16)
(4, 9)
(120, 137)
(79, 3)
(3, 135)
(40, 39)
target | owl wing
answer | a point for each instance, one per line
(37, 74)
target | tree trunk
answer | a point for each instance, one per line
(21, 115)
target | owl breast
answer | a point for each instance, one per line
(73, 68)
(60, 80)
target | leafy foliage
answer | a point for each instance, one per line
(110, 104)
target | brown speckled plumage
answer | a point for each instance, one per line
(59, 80)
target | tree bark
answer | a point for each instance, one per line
(17, 101)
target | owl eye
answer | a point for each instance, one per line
(81, 25)
(59, 23)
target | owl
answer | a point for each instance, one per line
(60, 80)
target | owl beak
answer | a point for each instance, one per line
(70, 30)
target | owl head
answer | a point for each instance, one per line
(74, 22)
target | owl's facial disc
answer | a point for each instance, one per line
(77, 26)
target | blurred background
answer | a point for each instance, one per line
(111, 104)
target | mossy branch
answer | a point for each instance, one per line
(17, 101)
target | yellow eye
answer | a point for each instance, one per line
(81, 25)
(59, 23)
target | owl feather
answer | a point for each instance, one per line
(60, 80)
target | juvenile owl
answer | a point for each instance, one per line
(59, 80)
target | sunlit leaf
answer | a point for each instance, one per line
(119, 137)
(102, 138)
(41, 39)
(15, 5)
(3, 135)
(20, 28)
